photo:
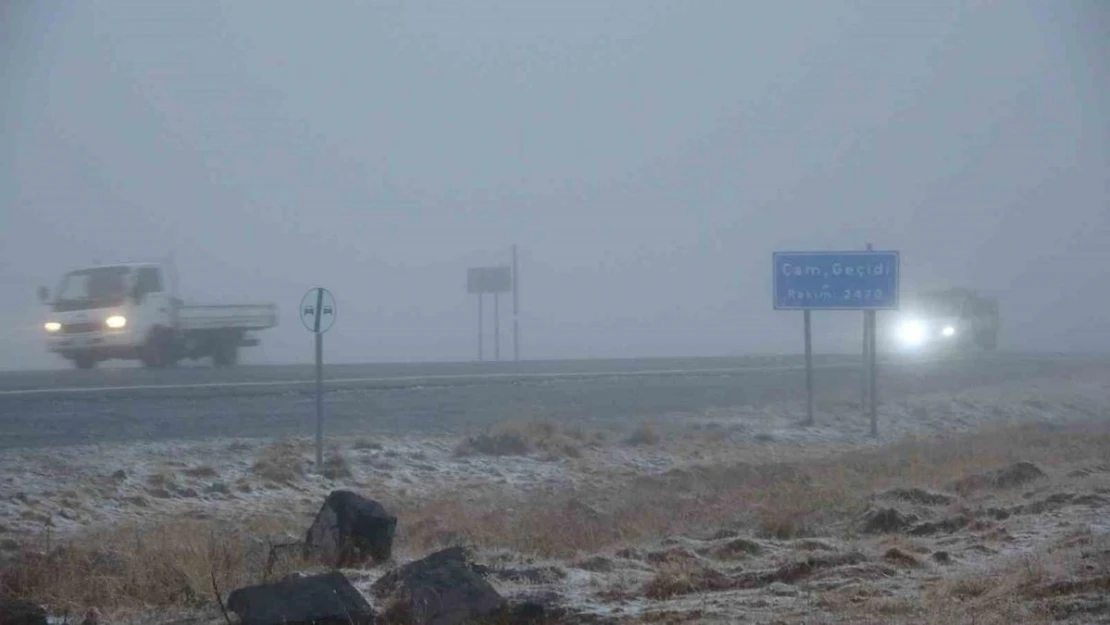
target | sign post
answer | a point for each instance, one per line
(867, 281)
(809, 369)
(516, 307)
(318, 315)
(495, 280)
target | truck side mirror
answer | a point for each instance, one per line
(44, 294)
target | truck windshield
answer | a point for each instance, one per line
(92, 288)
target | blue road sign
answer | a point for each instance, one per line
(835, 280)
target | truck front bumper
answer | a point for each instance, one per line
(102, 345)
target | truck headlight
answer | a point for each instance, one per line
(52, 326)
(911, 333)
(116, 322)
(948, 331)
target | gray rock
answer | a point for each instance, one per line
(441, 589)
(327, 599)
(349, 529)
(21, 613)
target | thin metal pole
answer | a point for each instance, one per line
(874, 378)
(863, 368)
(865, 358)
(480, 337)
(319, 398)
(497, 327)
(809, 369)
(516, 307)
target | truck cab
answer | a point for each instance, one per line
(126, 312)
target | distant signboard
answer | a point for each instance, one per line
(489, 280)
(835, 280)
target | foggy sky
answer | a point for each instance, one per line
(647, 157)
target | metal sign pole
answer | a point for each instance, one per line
(809, 369)
(874, 374)
(319, 400)
(863, 368)
(319, 381)
(865, 360)
(318, 311)
(516, 308)
(497, 327)
(480, 327)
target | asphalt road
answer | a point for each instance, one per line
(42, 409)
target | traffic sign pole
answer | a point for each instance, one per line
(865, 362)
(318, 312)
(319, 401)
(809, 370)
(516, 308)
(874, 374)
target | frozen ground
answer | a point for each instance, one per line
(73, 487)
(707, 577)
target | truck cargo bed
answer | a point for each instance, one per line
(236, 316)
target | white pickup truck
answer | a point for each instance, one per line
(126, 312)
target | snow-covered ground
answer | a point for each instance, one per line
(66, 489)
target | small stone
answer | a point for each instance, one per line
(885, 521)
(218, 488)
(897, 556)
(780, 589)
(92, 617)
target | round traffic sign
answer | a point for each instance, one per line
(318, 310)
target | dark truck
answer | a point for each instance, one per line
(953, 319)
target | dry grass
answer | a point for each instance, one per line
(523, 439)
(1043, 587)
(281, 463)
(336, 466)
(781, 500)
(163, 566)
(203, 471)
(171, 565)
(645, 434)
(365, 444)
(684, 578)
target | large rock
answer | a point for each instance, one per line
(349, 529)
(441, 589)
(21, 613)
(327, 599)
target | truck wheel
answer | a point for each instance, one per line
(988, 341)
(225, 354)
(84, 361)
(158, 352)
